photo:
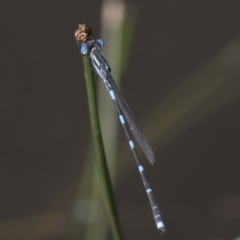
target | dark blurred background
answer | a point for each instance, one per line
(183, 85)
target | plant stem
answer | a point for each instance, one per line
(101, 163)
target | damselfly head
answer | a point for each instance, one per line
(83, 34)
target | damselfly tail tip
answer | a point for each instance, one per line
(162, 230)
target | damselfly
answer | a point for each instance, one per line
(92, 48)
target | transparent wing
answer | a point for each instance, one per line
(137, 132)
(102, 68)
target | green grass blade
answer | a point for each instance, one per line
(101, 163)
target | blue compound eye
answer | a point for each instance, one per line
(84, 49)
(100, 43)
